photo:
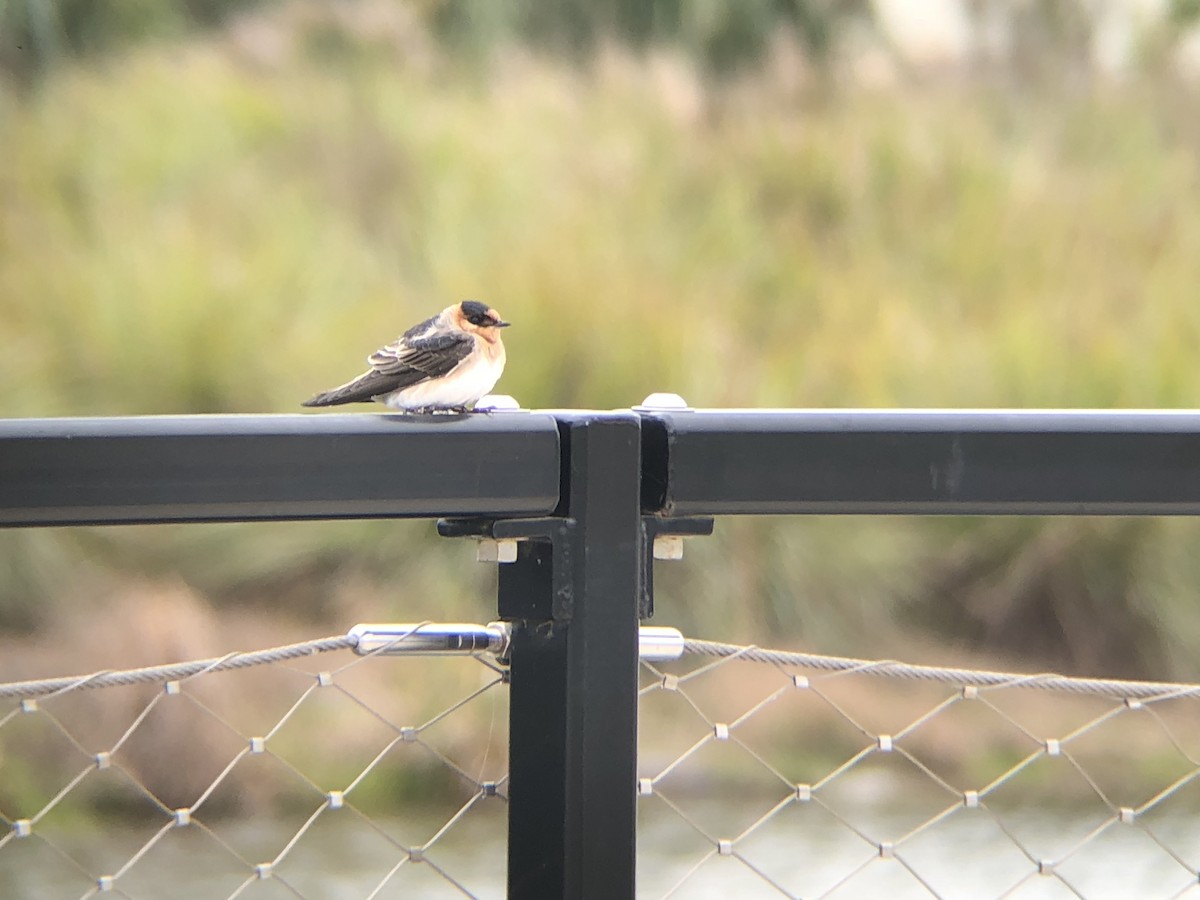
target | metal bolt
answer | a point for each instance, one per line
(663, 400)
(497, 403)
(668, 546)
(504, 551)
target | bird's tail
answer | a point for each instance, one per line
(346, 393)
(328, 398)
(359, 390)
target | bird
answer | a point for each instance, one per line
(444, 364)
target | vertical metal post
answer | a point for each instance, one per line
(573, 598)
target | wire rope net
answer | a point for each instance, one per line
(288, 771)
(773, 774)
(257, 775)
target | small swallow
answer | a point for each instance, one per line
(446, 362)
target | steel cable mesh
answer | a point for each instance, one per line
(278, 780)
(760, 772)
(761, 776)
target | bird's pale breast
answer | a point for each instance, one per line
(472, 379)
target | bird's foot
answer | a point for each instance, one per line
(437, 410)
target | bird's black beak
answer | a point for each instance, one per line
(502, 324)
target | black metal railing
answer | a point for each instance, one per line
(585, 495)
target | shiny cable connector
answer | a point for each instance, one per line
(430, 639)
(655, 643)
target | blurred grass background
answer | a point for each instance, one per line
(213, 207)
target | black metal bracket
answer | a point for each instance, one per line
(543, 552)
(655, 527)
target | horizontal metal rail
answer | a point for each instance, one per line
(703, 462)
(223, 468)
(959, 462)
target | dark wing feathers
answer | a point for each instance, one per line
(412, 359)
(421, 328)
(431, 356)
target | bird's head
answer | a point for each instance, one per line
(478, 318)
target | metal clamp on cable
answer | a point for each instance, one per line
(430, 639)
(659, 644)
(655, 643)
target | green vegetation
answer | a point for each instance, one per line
(229, 221)
(722, 36)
